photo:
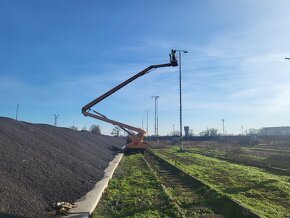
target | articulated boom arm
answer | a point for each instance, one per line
(105, 119)
(87, 111)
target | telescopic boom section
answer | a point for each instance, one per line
(136, 141)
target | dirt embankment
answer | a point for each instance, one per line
(40, 164)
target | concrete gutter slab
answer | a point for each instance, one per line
(87, 204)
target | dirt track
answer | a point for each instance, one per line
(41, 164)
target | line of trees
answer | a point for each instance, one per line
(209, 132)
(96, 129)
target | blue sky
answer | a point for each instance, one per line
(56, 56)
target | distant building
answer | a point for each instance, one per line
(186, 131)
(283, 130)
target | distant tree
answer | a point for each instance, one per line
(209, 132)
(175, 133)
(96, 129)
(84, 128)
(190, 133)
(73, 128)
(253, 132)
(116, 131)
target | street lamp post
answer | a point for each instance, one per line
(156, 115)
(147, 111)
(223, 120)
(17, 108)
(180, 97)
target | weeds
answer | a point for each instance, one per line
(134, 192)
(264, 193)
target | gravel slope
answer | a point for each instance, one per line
(41, 164)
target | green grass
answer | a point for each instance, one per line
(241, 155)
(262, 158)
(269, 149)
(134, 192)
(266, 194)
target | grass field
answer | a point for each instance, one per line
(134, 192)
(259, 156)
(266, 194)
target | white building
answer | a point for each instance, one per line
(283, 130)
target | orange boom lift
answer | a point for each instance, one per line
(135, 140)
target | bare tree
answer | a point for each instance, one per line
(253, 132)
(116, 131)
(95, 129)
(209, 132)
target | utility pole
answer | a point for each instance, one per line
(180, 97)
(56, 116)
(156, 115)
(223, 120)
(147, 111)
(17, 111)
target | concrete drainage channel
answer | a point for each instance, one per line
(87, 204)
